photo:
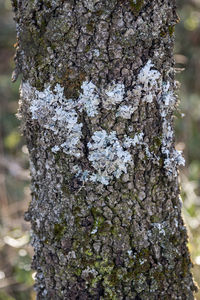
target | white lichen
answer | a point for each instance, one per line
(92, 96)
(71, 255)
(99, 178)
(147, 76)
(149, 79)
(83, 175)
(89, 271)
(96, 52)
(179, 158)
(148, 153)
(173, 158)
(90, 4)
(160, 227)
(125, 111)
(114, 94)
(138, 139)
(89, 99)
(94, 231)
(55, 149)
(57, 114)
(130, 252)
(107, 156)
(151, 87)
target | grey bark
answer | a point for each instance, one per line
(106, 210)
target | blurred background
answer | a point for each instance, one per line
(16, 276)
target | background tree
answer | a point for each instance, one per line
(97, 103)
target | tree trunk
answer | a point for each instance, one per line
(97, 103)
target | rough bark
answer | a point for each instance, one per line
(97, 103)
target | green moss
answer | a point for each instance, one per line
(163, 33)
(88, 252)
(47, 4)
(57, 157)
(65, 190)
(171, 29)
(78, 221)
(76, 210)
(99, 221)
(96, 212)
(14, 4)
(108, 273)
(125, 196)
(114, 230)
(184, 266)
(137, 265)
(161, 162)
(104, 228)
(144, 253)
(90, 26)
(87, 48)
(129, 276)
(95, 281)
(99, 225)
(106, 267)
(159, 276)
(113, 278)
(110, 295)
(157, 142)
(136, 7)
(99, 13)
(174, 240)
(59, 230)
(39, 85)
(112, 275)
(155, 219)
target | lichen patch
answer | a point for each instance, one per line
(107, 156)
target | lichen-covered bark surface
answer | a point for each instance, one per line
(97, 103)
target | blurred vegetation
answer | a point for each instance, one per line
(16, 276)
(187, 55)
